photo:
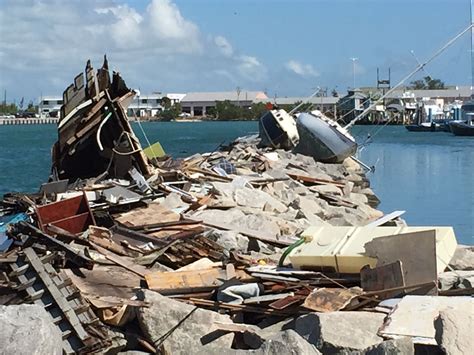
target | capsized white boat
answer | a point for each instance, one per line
(278, 129)
(323, 138)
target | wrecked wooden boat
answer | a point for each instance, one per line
(94, 135)
(323, 138)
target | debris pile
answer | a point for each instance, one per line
(245, 249)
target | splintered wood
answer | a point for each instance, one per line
(149, 215)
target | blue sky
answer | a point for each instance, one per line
(281, 46)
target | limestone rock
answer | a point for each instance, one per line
(28, 330)
(400, 346)
(340, 331)
(454, 331)
(286, 342)
(327, 189)
(194, 334)
(456, 279)
(357, 198)
(229, 240)
(463, 258)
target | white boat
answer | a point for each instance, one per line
(323, 138)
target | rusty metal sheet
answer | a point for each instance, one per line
(382, 277)
(331, 299)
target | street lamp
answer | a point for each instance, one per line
(354, 72)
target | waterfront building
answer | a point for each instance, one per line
(325, 104)
(199, 103)
(50, 106)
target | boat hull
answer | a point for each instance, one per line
(428, 128)
(461, 129)
(322, 141)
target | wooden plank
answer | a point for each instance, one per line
(313, 180)
(120, 261)
(153, 214)
(189, 281)
(186, 281)
(58, 297)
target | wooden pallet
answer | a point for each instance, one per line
(59, 297)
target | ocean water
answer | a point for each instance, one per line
(429, 175)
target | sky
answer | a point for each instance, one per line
(282, 47)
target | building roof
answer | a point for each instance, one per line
(459, 91)
(175, 96)
(325, 100)
(50, 98)
(223, 95)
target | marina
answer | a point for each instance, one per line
(174, 188)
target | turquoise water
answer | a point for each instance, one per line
(430, 175)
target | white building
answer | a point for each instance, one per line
(198, 103)
(149, 105)
(50, 106)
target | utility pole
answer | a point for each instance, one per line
(238, 95)
(353, 72)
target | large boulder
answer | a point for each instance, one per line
(28, 329)
(463, 258)
(340, 332)
(456, 279)
(286, 342)
(180, 327)
(399, 346)
(454, 331)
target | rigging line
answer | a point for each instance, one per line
(144, 134)
(304, 102)
(416, 70)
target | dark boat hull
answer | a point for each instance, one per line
(322, 141)
(461, 129)
(432, 128)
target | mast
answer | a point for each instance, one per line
(472, 50)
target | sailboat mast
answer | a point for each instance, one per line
(472, 49)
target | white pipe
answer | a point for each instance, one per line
(97, 134)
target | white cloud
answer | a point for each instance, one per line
(224, 46)
(301, 69)
(45, 43)
(250, 67)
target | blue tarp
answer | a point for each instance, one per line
(4, 222)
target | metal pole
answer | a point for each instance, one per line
(472, 50)
(353, 72)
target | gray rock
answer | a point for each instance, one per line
(286, 342)
(357, 198)
(192, 335)
(339, 332)
(456, 279)
(454, 331)
(309, 207)
(327, 189)
(229, 240)
(28, 329)
(463, 258)
(400, 346)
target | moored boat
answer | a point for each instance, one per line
(464, 128)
